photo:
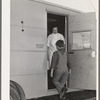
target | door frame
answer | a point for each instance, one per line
(66, 37)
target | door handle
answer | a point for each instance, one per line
(70, 52)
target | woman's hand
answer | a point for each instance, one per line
(51, 74)
(48, 53)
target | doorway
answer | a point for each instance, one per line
(58, 21)
(55, 21)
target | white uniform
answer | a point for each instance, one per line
(52, 39)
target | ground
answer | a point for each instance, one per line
(78, 95)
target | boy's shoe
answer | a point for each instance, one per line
(64, 98)
(62, 93)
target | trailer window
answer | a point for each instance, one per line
(81, 40)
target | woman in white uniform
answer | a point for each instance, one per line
(52, 39)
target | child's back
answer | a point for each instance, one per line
(62, 61)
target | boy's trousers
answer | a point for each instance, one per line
(60, 79)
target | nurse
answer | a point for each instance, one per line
(51, 41)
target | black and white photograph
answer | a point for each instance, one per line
(50, 50)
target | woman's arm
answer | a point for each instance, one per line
(47, 53)
(54, 62)
(48, 45)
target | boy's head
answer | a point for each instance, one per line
(60, 44)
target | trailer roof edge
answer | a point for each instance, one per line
(57, 5)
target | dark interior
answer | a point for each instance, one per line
(55, 21)
(59, 22)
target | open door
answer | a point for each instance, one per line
(81, 50)
(54, 20)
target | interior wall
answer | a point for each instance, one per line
(54, 20)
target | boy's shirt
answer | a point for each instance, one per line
(55, 59)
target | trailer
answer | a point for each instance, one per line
(31, 23)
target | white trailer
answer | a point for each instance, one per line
(28, 49)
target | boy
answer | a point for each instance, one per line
(59, 69)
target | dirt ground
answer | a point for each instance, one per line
(77, 95)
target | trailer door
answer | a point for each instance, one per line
(81, 50)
